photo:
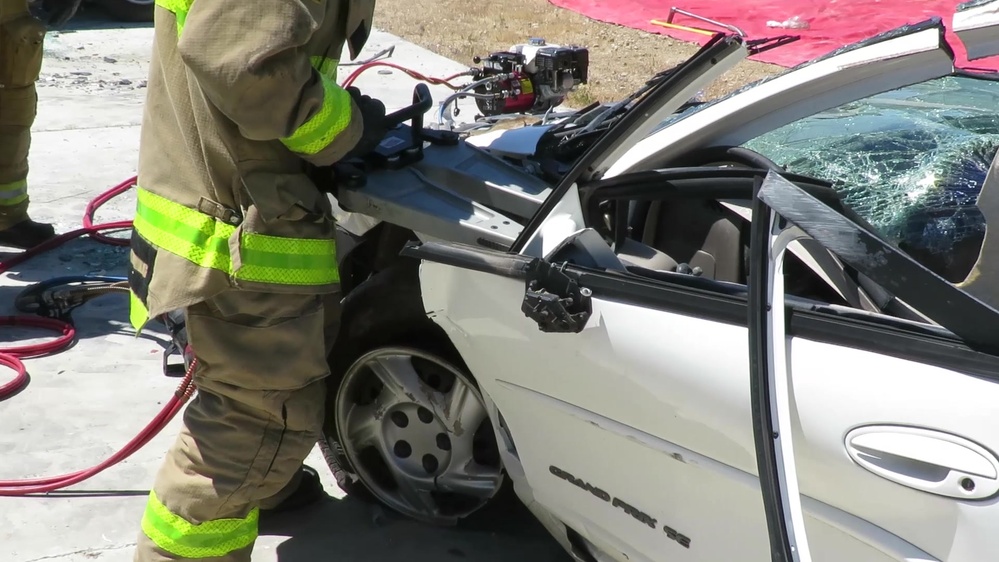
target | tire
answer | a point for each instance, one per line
(410, 437)
(136, 11)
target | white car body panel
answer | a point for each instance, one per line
(676, 437)
(564, 221)
(978, 28)
(664, 397)
(800, 92)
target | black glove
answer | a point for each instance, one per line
(373, 115)
(53, 13)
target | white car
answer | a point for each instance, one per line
(586, 309)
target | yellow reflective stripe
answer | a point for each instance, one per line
(204, 241)
(290, 261)
(180, 537)
(325, 66)
(179, 9)
(175, 6)
(138, 315)
(13, 193)
(181, 18)
(199, 238)
(320, 130)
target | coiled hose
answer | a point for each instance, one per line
(11, 357)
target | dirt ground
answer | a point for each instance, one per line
(621, 59)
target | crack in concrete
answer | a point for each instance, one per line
(85, 552)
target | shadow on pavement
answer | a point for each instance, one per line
(357, 531)
(93, 16)
(103, 316)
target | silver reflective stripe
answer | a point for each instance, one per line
(14, 192)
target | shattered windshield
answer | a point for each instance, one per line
(910, 161)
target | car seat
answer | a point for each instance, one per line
(983, 280)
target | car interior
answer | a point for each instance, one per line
(691, 225)
(983, 281)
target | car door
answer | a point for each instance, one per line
(626, 409)
(891, 423)
(627, 405)
(581, 392)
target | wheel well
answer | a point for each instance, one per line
(387, 308)
(361, 257)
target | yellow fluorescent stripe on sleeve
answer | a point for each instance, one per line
(320, 130)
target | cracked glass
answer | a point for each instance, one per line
(910, 161)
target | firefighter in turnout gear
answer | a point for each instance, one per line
(242, 108)
(22, 32)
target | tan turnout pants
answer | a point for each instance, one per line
(21, 38)
(257, 414)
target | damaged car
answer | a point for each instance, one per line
(762, 327)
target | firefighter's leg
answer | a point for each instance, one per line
(305, 486)
(21, 40)
(257, 414)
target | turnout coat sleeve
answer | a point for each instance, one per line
(255, 61)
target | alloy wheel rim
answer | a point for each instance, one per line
(417, 434)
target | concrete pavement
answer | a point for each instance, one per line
(86, 402)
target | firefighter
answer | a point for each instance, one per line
(242, 110)
(22, 30)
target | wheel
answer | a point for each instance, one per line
(413, 427)
(406, 424)
(129, 10)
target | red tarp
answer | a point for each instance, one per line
(832, 23)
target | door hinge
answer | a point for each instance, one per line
(554, 300)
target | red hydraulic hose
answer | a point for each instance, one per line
(88, 215)
(52, 483)
(20, 375)
(24, 256)
(11, 356)
(36, 350)
(89, 228)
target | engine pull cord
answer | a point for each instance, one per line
(411, 73)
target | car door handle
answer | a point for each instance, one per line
(923, 459)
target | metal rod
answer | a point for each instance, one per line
(682, 27)
(674, 10)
